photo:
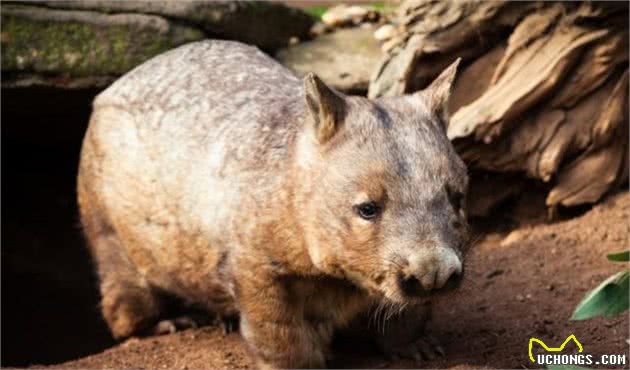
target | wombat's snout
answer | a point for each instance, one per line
(440, 270)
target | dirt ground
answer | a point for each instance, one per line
(520, 284)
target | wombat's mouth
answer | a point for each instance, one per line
(412, 288)
(401, 289)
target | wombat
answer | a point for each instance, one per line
(212, 174)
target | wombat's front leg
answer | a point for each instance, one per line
(275, 329)
(404, 334)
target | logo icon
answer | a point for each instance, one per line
(553, 349)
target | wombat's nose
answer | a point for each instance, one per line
(440, 270)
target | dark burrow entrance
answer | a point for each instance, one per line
(49, 297)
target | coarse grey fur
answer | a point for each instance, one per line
(212, 173)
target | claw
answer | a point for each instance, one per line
(423, 349)
(435, 344)
(171, 326)
(440, 350)
(426, 350)
(164, 327)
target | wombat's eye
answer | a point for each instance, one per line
(367, 210)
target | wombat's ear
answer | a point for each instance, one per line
(439, 92)
(326, 106)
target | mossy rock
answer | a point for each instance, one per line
(81, 43)
(266, 24)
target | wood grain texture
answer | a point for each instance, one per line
(543, 91)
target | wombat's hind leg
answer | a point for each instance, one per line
(128, 310)
(128, 303)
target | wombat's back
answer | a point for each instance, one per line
(222, 89)
(179, 148)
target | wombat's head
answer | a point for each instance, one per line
(382, 191)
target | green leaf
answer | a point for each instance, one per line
(316, 11)
(378, 6)
(566, 367)
(608, 299)
(619, 256)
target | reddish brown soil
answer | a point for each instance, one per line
(519, 285)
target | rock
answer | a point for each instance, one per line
(385, 32)
(344, 15)
(88, 44)
(345, 59)
(514, 237)
(319, 28)
(388, 45)
(266, 24)
(80, 48)
(294, 41)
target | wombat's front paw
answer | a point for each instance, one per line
(422, 349)
(171, 326)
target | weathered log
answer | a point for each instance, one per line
(549, 101)
(525, 75)
(434, 33)
(605, 161)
